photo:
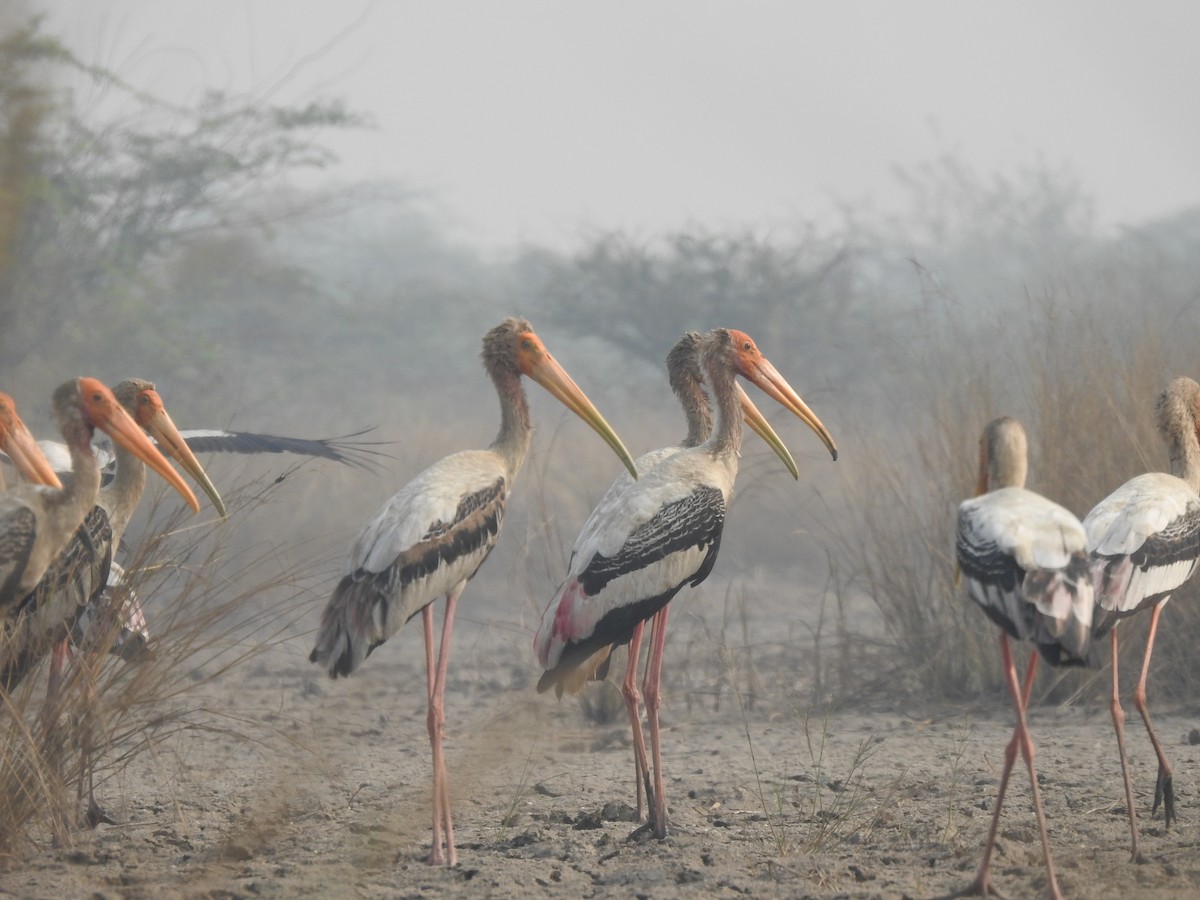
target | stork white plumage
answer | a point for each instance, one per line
(1144, 538)
(641, 547)
(1024, 559)
(686, 376)
(433, 535)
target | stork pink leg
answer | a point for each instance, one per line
(981, 886)
(443, 826)
(1118, 717)
(653, 697)
(633, 700)
(1164, 789)
(435, 852)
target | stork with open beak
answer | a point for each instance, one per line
(659, 535)
(685, 374)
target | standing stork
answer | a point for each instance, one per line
(661, 533)
(1144, 538)
(429, 540)
(686, 376)
(20, 447)
(37, 522)
(1025, 562)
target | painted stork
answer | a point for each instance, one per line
(431, 537)
(1025, 562)
(686, 376)
(123, 483)
(660, 534)
(18, 444)
(37, 522)
(79, 576)
(1144, 538)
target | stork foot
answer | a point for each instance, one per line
(96, 815)
(1164, 793)
(645, 832)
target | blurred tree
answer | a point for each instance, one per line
(90, 210)
(642, 296)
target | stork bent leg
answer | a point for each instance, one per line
(981, 886)
(633, 700)
(1118, 717)
(443, 826)
(653, 696)
(1164, 788)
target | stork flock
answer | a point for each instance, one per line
(1037, 572)
(1047, 578)
(61, 527)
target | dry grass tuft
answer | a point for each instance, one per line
(212, 601)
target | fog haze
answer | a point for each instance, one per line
(527, 122)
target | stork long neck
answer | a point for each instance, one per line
(695, 409)
(1006, 470)
(67, 508)
(1185, 457)
(516, 430)
(726, 439)
(120, 497)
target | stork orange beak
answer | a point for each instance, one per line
(546, 371)
(152, 415)
(763, 374)
(759, 424)
(107, 414)
(16, 440)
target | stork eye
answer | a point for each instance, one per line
(527, 344)
(748, 346)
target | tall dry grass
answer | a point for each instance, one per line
(212, 602)
(1082, 374)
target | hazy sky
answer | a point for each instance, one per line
(533, 120)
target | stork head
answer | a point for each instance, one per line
(87, 402)
(750, 363)
(513, 347)
(139, 398)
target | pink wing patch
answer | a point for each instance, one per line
(572, 620)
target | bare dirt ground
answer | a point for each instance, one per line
(325, 794)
